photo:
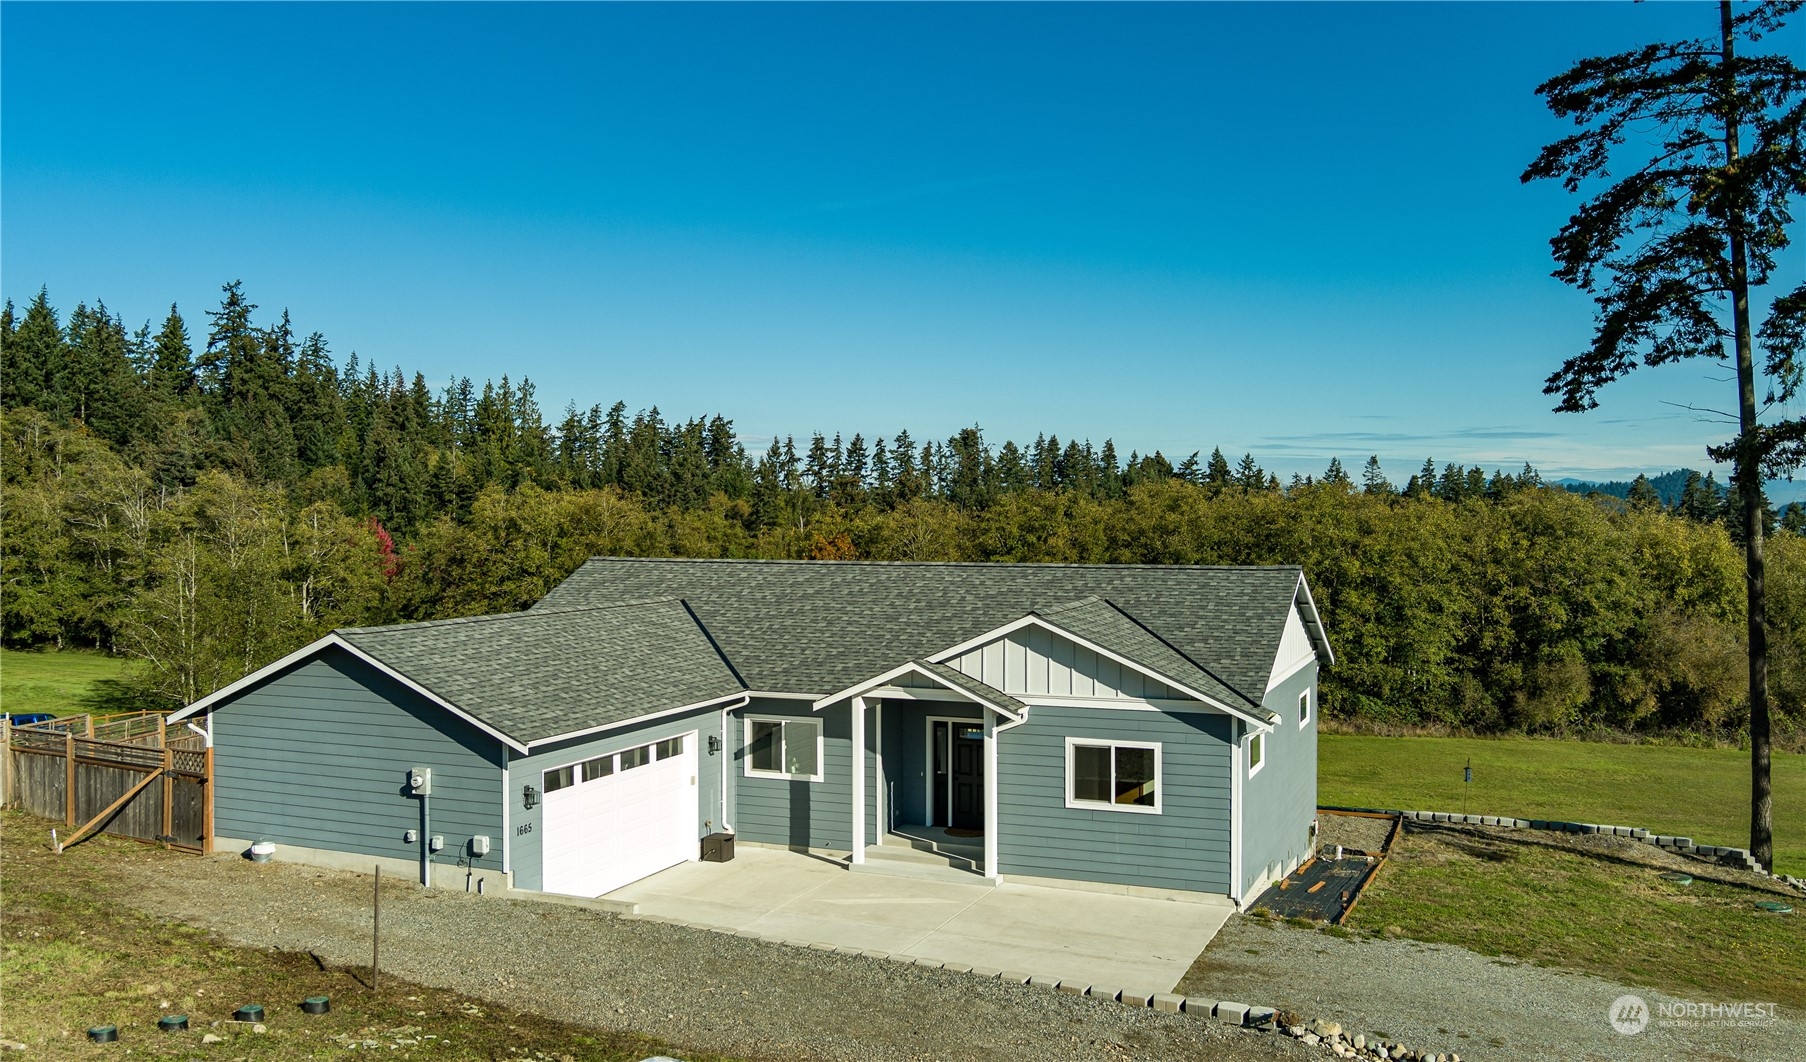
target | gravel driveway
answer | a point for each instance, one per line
(689, 986)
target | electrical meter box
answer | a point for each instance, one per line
(420, 781)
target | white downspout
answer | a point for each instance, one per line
(858, 712)
(207, 734)
(992, 729)
(726, 710)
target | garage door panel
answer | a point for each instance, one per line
(613, 830)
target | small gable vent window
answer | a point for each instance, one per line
(1257, 753)
(1113, 775)
(784, 748)
(1304, 707)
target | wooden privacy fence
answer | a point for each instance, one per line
(126, 775)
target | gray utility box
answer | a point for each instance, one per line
(718, 848)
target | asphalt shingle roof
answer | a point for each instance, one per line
(813, 627)
(984, 691)
(1102, 623)
(540, 674)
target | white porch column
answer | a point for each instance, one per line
(990, 793)
(858, 779)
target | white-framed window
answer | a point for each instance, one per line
(784, 747)
(1113, 775)
(1257, 753)
(1304, 707)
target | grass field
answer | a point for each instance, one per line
(1699, 793)
(73, 959)
(53, 682)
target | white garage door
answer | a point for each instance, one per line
(617, 818)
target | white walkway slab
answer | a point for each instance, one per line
(1122, 941)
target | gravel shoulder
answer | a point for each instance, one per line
(1444, 997)
(692, 987)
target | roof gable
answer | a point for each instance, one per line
(548, 673)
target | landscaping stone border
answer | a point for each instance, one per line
(1724, 856)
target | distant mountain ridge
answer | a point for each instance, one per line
(1668, 486)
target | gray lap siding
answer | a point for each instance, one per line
(800, 814)
(1280, 800)
(316, 757)
(1186, 846)
(526, 827)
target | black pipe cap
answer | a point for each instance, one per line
(316, 1005)
(248, 1012)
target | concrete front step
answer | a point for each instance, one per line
(923, 857)
(937, 870)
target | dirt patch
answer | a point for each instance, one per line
(597, 972)
(1358, 833)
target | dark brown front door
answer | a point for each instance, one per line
(968, 777)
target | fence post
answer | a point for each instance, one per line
(6, 762)
(90, 719)
(69, 775)
(169, 793)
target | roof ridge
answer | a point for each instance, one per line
(792, 562)
(1068, 606)
(494, 616)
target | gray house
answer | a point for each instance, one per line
(1123, 727)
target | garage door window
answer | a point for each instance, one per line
(639, 757)
(670, 747)
(600, 767)
(558, 779)
(784, 748)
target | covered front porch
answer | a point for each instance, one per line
(929, 734)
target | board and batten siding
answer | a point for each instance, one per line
(527, 826)
(1185, 846)
(1033, 661)
(317, 757)
(1280, 800)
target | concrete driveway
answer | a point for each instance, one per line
(1126, 942)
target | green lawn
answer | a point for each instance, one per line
(1698, 793)
(53, 682)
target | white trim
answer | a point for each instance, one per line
(1053, 628)
(857, 708)
(1235, 817)
(883, 816)
(1123, 704)
(990, 791)
(1253, 767)
(993, 823)
(254, 677)
(648, 717)
(507, 818)
(1305, 715)
(883, 680)
(1072, 743)
(1274, 682)
(769, 694)
(918, 693)
(746, 722)
(577, 775)
(1305, 586)
(928, 722)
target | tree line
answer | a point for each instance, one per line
(208, 510)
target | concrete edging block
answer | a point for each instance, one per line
(1230, 1013)
(1101, 992)
(1014, 977)
(988, 972)
(1038, 981)
(1168, 1002)
(1135, 998)
(932, 964)
(1072, 988)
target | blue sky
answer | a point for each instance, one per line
(1290, 229)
